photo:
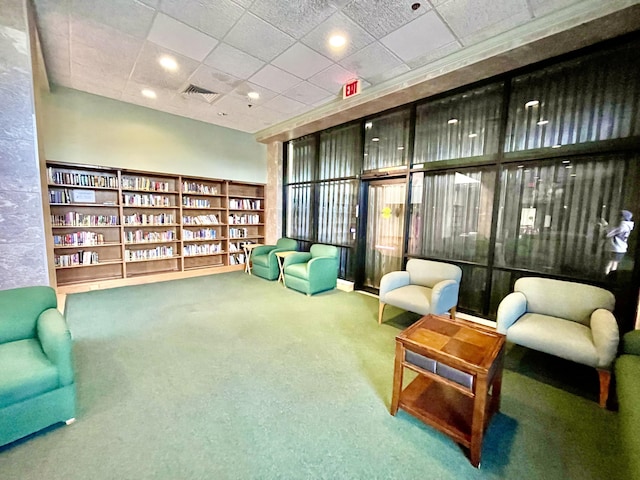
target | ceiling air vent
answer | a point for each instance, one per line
(194, 90)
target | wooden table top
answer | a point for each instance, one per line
(461, 344)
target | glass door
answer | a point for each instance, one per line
(385, 229)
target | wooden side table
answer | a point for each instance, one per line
(281, 256)
(248, 248)
(459, 366)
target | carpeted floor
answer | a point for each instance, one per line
(234, 377)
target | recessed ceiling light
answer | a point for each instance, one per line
(556, 146)
(168, 63)
(337, 41)
(543, 122)
(574, 175)
(473, 135)
(253, 95)
(520, 166)
(400, 147)
(532, 103)
(147, 92)
(375, 139)
(569, 166)
(566, 161)
(452, 121)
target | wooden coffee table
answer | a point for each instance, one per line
(459, 366)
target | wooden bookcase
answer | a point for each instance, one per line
(110, 225)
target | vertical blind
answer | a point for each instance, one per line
(585, 100)
(340, 154)
(300, 209)
(552, 215)
(385, 140)
(301, 159)
(459, 126)
(451, 214)
(337, 212)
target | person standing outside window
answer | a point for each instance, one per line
(617, 240)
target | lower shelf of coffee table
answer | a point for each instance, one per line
(440, 406)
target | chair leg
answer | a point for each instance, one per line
(380, 310)
(70, 421)
(605, 379)
(453, 312)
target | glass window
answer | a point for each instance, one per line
(555, 217)
(451, 214)
(460, 126)
(585, 100)
(385, 141)
(301, 159)
(337, 212)
(340, 151)
(299, 211)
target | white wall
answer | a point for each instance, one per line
(89, 129)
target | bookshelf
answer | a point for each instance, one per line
(110, 225)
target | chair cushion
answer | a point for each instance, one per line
(427, 273)
(299, 270)
(556, 336)
(25, 372)
(414, 298)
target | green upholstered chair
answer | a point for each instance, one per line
(37, 386)
(566, 319)
(314, 271)
(425, 287)
(264, 261)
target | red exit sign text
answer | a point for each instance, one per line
(351, 88)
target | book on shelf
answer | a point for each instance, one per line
(193, 187)
(59, 177)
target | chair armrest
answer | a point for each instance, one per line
(323, 266)
(300, 257)
(606, 337)
(391, 281)
(511, 308)
(631, 342)
(55, 339)
(262, 250)
(444, 296)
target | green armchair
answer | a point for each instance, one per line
(314, 271)
(264, 261)
(37, 386)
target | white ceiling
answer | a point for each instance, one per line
(277, 48)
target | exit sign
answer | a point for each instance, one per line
(351, 88)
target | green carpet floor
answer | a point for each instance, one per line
(233, 377)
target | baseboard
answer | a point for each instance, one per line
(345, 285)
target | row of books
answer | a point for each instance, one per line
(83, 257)
(78, 239)
(149, 253)
(137, 200)
(202, 234)
(243, 219)
(196, 202)
(244, 204)
(81, 179)
(144, 219)
(236, 259)
(238, 232)
(143, 183)
(201, 249)
(200, 220)
(76, 219)
(59, 196)
(141, 236)
(192, 187)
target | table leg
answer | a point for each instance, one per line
(477, 424)
(398, 371)
(247, 259)
(281, 268)
(496, 386)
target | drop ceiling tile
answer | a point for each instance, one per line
(274, 79)
(97, 86)
(338, 23)
(214, 80)
(147, 70)
(476, 20)
(286, 105)
(213, 18)
(389, 74)
(301, 61)
(382, 17)
(268, 116)
(306, 92)
(55, 50)
(333, 78)
(169, 33)
(422, 35)
(252, 34)
(134, 89)
(53, 17)
(544, 7)
(127, 16)
(296, 18)
(244, 88)
(370, 61)
(102, 59)
(233, 105)
(233, 61)
(151, 3)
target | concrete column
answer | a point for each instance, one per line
(274, 193)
